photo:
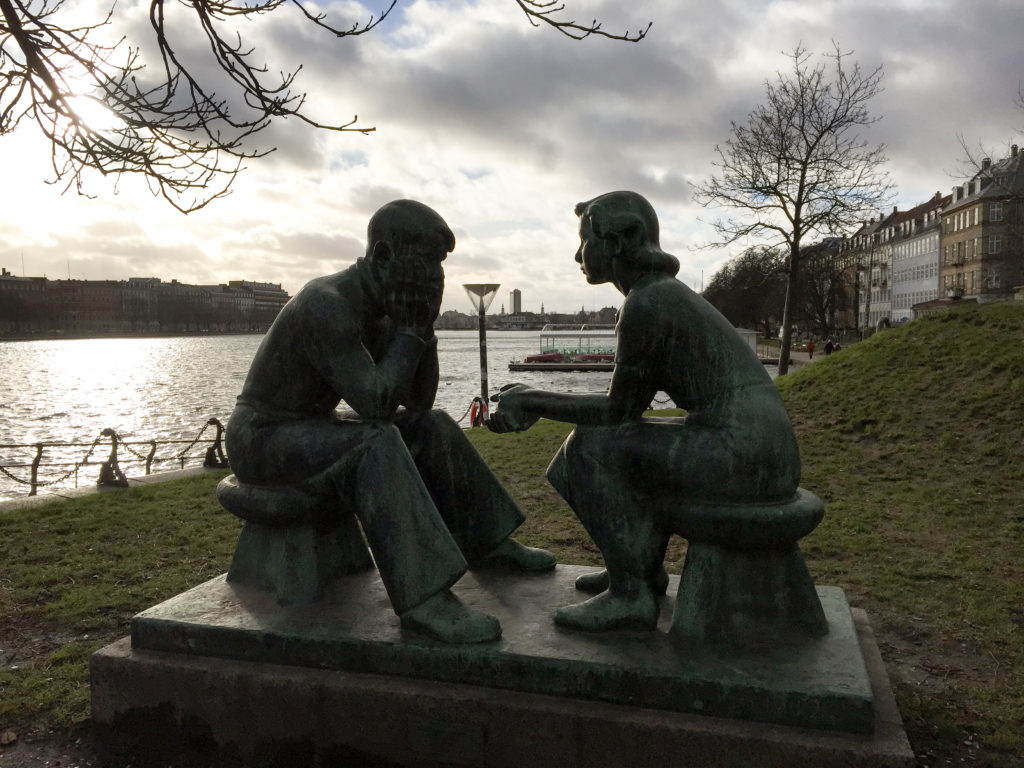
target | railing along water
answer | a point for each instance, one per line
(110, 473)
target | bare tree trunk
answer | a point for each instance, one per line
(786, 341)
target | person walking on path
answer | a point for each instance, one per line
(810, 349)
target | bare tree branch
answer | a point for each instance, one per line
(539, 11)
(188, 136)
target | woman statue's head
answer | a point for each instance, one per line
(629, 225)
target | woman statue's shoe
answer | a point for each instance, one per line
(518, 557)
(611, 611)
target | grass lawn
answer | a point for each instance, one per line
(913, 439)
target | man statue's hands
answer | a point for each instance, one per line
(511, 414)
(414, 297)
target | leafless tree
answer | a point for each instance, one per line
(799, 167)
(750, 289)
(822, 290)
(184, 126)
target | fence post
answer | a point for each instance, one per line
(152, 453)
(215, 454)
(35, 469)
(110, 472)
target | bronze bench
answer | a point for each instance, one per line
(293, 543)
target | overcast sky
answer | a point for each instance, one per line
(503, 128)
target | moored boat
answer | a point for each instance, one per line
(571, 348)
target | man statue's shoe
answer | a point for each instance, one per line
(444, 617)
(511, 554)
(597, 582)
(609, 611)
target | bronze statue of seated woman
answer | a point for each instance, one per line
(631, 479)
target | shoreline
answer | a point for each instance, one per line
(24, 502)
(54, 336)
(51, 336)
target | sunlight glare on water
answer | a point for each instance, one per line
(69, 390)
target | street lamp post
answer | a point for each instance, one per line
(482, 294)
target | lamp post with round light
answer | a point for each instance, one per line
(482, 294)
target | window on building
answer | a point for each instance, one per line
(995, 211)
(976, 214)
(995, 243)
(992, 279)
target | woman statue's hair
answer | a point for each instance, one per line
(616, 214)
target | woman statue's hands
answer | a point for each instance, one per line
(511, 414)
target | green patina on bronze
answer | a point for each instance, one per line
(725, 477)
(426, 501)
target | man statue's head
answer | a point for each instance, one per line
(626, 226)
(406, 243)
(406, 227)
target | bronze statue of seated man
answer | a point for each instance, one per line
(425, 499)
(735, 445)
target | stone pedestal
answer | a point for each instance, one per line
(239, 675)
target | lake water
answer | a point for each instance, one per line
(69, 390)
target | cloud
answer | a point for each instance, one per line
(503, 127)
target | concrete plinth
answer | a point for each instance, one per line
(208, 665)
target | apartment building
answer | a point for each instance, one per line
(870, 248)
(983, 232)
(898, 263)
(915, 257)
(267, 298)
(140, 304)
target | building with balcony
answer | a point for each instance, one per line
(897, 263)
(870, 287)
(983, 233)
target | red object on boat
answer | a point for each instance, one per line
(594, 358)
(547, 357)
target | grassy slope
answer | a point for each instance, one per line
(913, 439)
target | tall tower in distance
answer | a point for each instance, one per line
(515, 301)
